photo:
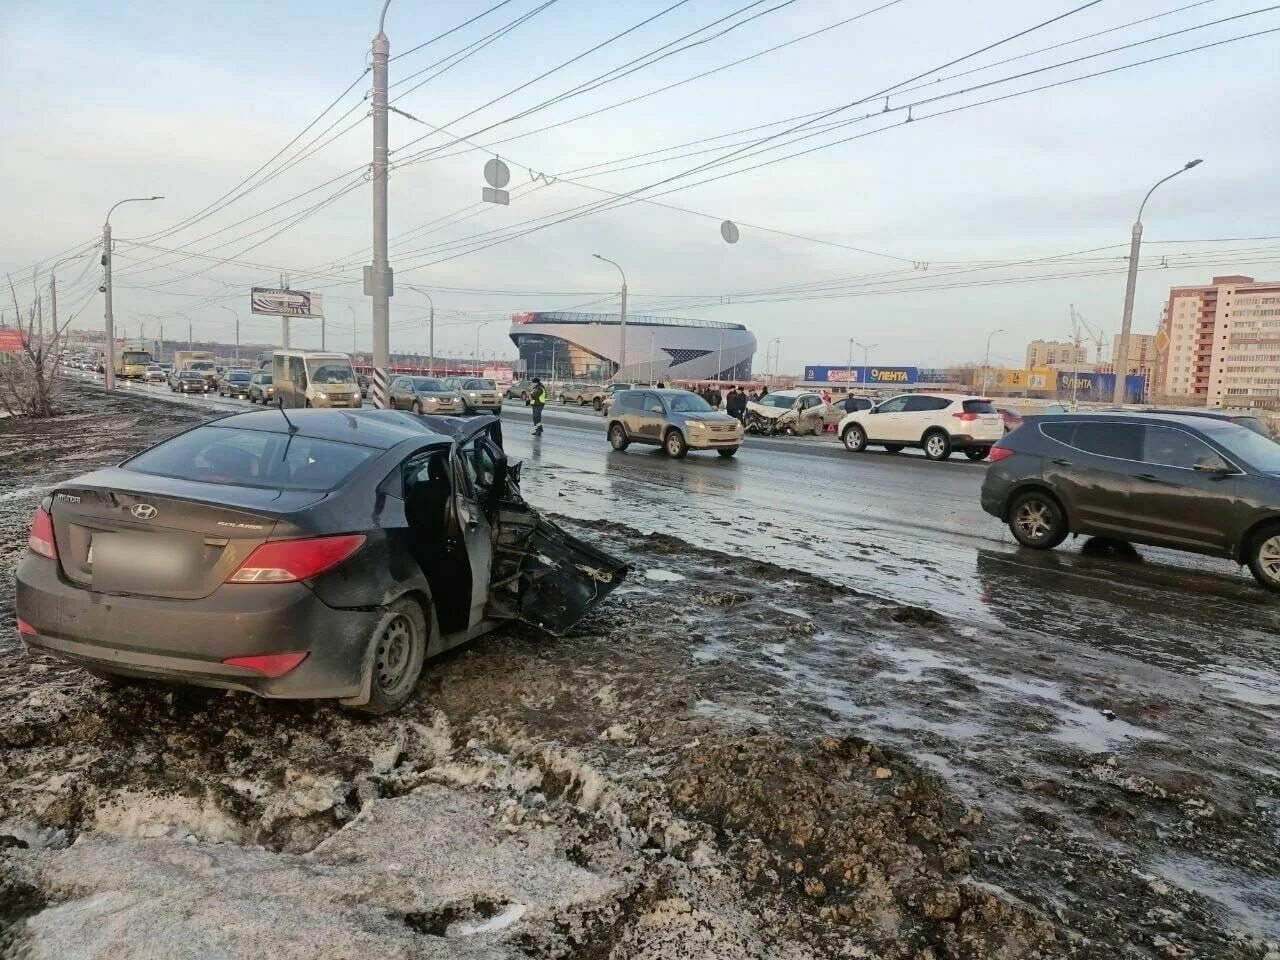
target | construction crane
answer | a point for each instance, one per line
(1097, 336)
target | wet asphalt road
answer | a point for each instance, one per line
(909, 530)
(905, 529)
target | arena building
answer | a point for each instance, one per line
(588, 346)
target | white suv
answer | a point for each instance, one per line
(938, 423)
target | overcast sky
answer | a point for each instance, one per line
(186, 99)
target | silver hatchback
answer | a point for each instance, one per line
(676, 420)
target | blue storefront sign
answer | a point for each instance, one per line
(866, 376)
(1099, 386)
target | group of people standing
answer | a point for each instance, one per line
(734, 401)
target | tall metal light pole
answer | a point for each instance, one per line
(476, 361)
(378, 278)
(848, 370)
(237, 316)
(1121, 358)
(986, 361)
(771, 364)
(866, 352)
(622, 325)
(431, 331)
(353, 332)
(109, 368)
(53, 300)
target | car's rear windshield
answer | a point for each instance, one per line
(979, 406)
(478, 385)
(428, 385)
(252, 458)
(1261, 453)
(688, 403)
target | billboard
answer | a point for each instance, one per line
(286, 303)
(12, 341)
(1038, 378)
(866, 376)
(1100, 386)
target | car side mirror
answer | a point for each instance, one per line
(1214, 465)
(873, 409)
(514, 469)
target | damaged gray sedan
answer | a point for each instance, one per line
(318, 554)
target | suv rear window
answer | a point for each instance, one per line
(979, 406)
(252, 458)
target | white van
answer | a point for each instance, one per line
(309, 378)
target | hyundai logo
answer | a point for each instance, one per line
(144, 511)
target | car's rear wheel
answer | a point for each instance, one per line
(820, 428)
(937, 445)
(1036, 520)
(597, 403)
(977, 453)
(1264, 557)
(674, 445)
(854, 438)
(399, 649)
(618, 437)
(727, 451)
(417, 408)
(893, 448)
(582, 401)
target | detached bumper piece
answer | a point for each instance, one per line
(544, 576)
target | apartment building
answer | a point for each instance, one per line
(1223, 342)
(1054, 353)
(1142, 351)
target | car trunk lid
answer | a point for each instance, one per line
(122, 532)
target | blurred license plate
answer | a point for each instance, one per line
(144, 562)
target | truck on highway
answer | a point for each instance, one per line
(182, 359)
(132, 363)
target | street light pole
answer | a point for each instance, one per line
(622, 324)
(109, 368)
(770, 364)
(53, 302)
(866, 352)
(237, 317)
(353, 332)
(986, 360)
(1121, 358)
(476, 361)
(378, 282)
(431, 328)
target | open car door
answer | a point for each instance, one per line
(537, 572)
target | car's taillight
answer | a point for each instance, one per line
(999, 453)
(268, 664)
(286, 561)
(40, 539)
(966, 417)
(25, 629)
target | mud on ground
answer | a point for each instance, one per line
(727, 760)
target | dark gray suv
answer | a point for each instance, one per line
(1190, 483)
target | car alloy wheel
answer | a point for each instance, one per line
(1036, 520)
(855, 438)
(675, 445)
(1269, 558)
(937, 446)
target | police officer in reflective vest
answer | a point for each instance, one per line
(538, 398)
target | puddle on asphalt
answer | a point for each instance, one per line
(1252, 902)
(1080, 726)
(1250, 685)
